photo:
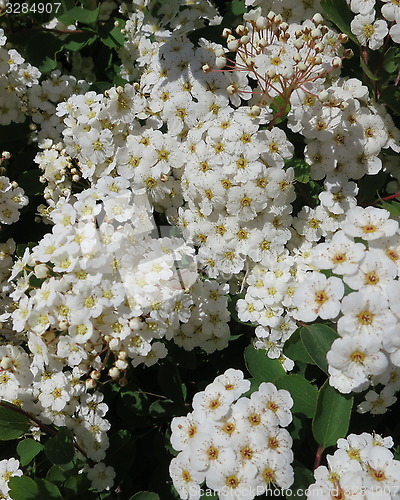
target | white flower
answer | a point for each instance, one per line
(352, 360)
(101, 476)
(369, 223)
(275, 403)
(185, 478)
(318, 296)
(368, 31)
(365, 314)
(214, 402)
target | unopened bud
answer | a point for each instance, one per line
(255, 110)
(233, 45)
(121, 364)
(220, 62)
(206, 68)
(95, 374)
(301, 67)
(231, 89)
(337, 62)
(323, 95)
(297, 57)
(245, 39)
(123, 381)
(261, 23)
(317, 19)
(226, 32)
(348, 53)
(40, 271)
(6, 363)
(90, 383)
(114, 372)
(343, 38)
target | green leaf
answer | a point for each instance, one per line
(23, 488)
(84, 16)
(238, 7)
(317, 340)
(332, 416)
(304, 394)
(145, 495)
(76, 41)
(47, 490)
(368, 71)
(393, 207)
(56, 475)
(280, 109)
(339, 13)
(28, 449)
(12, 424)
(295, 350)
(391, 60)
(261, 367)
(59, 449)
(112, 35)
(77, 484)
(301, 169)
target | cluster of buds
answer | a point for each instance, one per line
(280, 57)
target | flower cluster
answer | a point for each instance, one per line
(280, 57)
(12, 199)
(239, 446)
(16, 76)
(362, 467)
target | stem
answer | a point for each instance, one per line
(391, 197)
(318, 457)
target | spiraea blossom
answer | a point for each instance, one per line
(237, 445)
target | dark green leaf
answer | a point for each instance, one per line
(339, 13)
(317, 340)
(28, 449)
(56, 475)
(77, 484)
(47, 490)
(332, 416)
(59, 449)
(76, 41)
(304, 394)
(261, 367)
(391, 60)
(295, 350)
(12, 424)
(368, 71)
(23, 488)
(145, 495)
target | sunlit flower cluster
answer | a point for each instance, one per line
(237, 445)
(362, 467)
